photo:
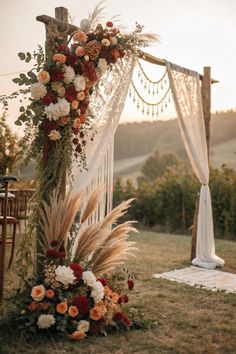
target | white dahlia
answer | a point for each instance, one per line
(69, 74)
(45, 321)
(65, 275)
(38, 90)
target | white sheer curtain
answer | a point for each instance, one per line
(107, 104)
(185, 87)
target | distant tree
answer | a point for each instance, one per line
(8, 147)
(156, 165)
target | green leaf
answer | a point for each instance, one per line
(28, 58)
(16, 80)
(32, 76)
(21, 56)
(22, 109)
(18, 122)
(23, 76)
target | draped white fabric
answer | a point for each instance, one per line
(107, 103)
(185, 87)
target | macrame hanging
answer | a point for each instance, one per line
(154, 89)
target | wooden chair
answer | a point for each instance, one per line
(4, 221)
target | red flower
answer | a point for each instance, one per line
(62, 48)
(89, 71)
(71, 59)
(70, 93)
(47, 100)
(82, 304)
(78, 270)
(103, 281)
(52, 253)
(130, 283)
(55, 74)
(109, 24)
(123, 299)
(121, 317)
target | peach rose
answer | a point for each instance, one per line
(63, 121)
(38, 292)
(80, 96)
(62, 307)
(76, 123)
(79, 51)
(107, 291)
(73, 311)
(77, 335)
(95, 313)
(50, 294)
(43, 77)
(80, 36)
(115, 297)
(74, 104)
(61, 58)
(115, 54)
(102, 308)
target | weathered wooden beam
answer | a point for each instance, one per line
(61, 25)
(154, 60)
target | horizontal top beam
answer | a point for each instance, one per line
(62, 26)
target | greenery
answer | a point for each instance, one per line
(167, 201)
(172, 317)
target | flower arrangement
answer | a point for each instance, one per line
(74, 294)
(72, 301)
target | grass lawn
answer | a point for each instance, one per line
(179, 318)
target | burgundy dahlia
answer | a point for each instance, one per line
(77, 269)
(130, 283)
(81, 302)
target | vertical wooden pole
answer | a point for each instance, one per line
(3, 243)
(61, 13)
(206, 106)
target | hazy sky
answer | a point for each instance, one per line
(194, 33)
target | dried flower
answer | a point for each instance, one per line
(54, 135)
(92, 49)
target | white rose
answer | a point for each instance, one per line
(38, 292)
(83, 326)
(64, 275)
(97, 292)
(89, 278)
(102, 65)
(45, 321)
(63, 107)
(54, 135)
(80, 83)
(113, 40)
(105, 42)
(85, 25)
(69, 74)
(38, 90)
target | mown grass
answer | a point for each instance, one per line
(179, 318)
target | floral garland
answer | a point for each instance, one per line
(71, 301)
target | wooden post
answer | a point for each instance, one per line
(206, 105)
(3, 243)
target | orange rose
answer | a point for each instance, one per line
(115, 297)
(73, 311)
(43, 77)
(63, 121)
(115, 54)
(95, 313)
(80, 36)
(50, 294)
(76, 123)
(61, 58)
(77, 335)
(62, 307)
(80, 96)
(74, 104)
(102, 308)
(107, 291)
